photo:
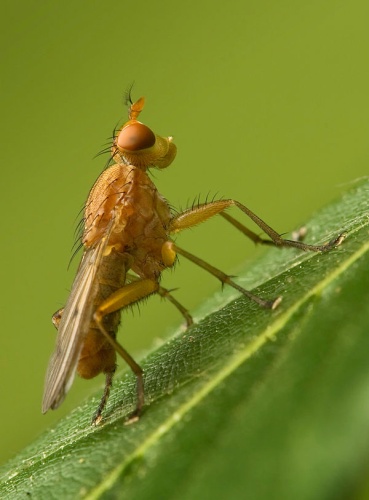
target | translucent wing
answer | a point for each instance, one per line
(73, 327)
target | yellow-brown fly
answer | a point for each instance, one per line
(127, 244)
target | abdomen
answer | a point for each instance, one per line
(97, 354)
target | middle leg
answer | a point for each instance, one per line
(226, 279)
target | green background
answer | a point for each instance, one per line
(267, 103)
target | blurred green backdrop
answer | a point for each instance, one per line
(267, 102)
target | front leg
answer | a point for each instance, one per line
(201, 213)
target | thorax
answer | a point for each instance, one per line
(125, 203)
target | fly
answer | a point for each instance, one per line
(127, 240)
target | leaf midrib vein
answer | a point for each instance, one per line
(234, 362)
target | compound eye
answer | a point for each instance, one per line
(135, 137)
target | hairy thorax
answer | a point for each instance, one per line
(125, 203)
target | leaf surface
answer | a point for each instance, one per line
(248, 403)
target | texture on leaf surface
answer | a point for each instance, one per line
(248, 403)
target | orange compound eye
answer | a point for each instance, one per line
(135, 137)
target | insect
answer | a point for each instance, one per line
(127, 241)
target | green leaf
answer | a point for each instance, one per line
(248, 403)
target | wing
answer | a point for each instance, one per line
(73, 327)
